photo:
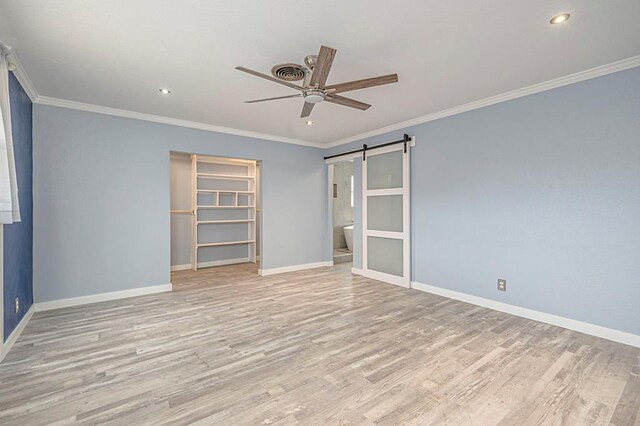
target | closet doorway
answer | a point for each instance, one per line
(215, 211)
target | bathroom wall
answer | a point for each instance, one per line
(342, 211)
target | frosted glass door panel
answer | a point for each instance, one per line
(384, 213)
(384, 171)
(385, 255)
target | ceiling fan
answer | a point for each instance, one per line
(314, 77)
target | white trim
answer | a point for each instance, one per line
(180, 267)
(357, 271)
(342, 158)
(194, 209)
(36, 98)
(600, 71)
(293, 268)
(6, 346)
(101, 297)
(22, 76)
(222, 262)
(384, 277)
(62, 103)
(386, 191)
(353, 156)
(579, 326)
(330, 179)
(386, 234)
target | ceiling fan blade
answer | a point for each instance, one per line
(306, 109)
(363, 84)
(273, 99)
(322, 67)
(341, 100)
(268, 77)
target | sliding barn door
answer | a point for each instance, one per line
(386, 215)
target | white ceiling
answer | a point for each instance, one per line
(117, 54)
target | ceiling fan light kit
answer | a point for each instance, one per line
(314, 96)
(314, 75)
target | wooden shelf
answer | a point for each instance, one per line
(214, 191)
(210, 222)
(181, 211)
(226, 243)
(224, 177)
(225, 207)
(230, 201)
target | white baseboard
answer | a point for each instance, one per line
(293, 268)
(223, 262)
(357, 271)
(210, 264)
(8, 344)
(101, 297)
(582, 327)
(180, 267)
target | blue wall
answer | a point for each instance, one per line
(18, 237)
(101, 194)
(543, 191)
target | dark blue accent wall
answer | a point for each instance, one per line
(18, 237)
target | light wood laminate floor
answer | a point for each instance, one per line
(312, 347)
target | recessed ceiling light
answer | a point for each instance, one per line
(165, 91)
(309, 123)
(558, 19)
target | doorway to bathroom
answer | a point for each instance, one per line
(342, 212)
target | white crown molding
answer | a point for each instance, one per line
(35, 97)
(22, 76)
(45, 100)
(613, 67)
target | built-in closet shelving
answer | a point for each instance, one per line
(224, 208)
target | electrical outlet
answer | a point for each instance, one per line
(502, 284)
(17, 305)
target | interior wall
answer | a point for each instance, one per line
(543, 191)
(342, 211)
(17, 256)
(101, 194)
(180, 199)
